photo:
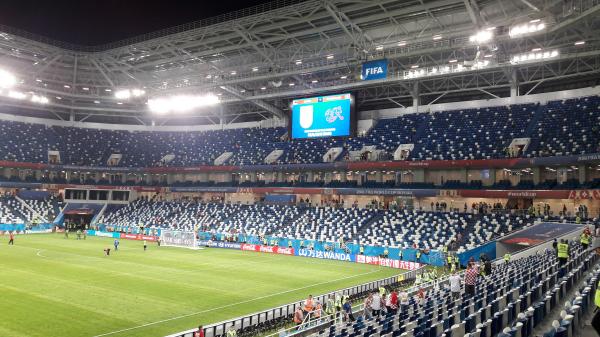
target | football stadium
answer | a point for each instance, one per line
(316, 168)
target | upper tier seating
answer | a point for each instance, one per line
(473, 133)
(558, 128)
(568, 127)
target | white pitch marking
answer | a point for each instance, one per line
(39, 253)
(232, 304)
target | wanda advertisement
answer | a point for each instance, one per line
(398, 264)
(268, 249)
(139, 237)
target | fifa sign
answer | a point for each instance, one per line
(374, 70)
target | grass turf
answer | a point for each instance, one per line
(51, 286)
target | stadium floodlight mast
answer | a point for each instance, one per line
(181, 103)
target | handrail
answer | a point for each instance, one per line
(220, 328)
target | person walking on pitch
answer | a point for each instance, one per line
(11, 238)
(145, 245)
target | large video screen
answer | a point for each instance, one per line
(323, 116)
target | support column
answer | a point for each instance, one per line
(419, 176)
(464, 176)
(514, 84)
(582, 174)
(415, 96)
(379, 176)
(536, 175)
(492, 176)
(310, 176)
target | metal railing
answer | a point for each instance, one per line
(265, 316)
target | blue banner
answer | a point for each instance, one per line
(374, 70)
(488, 249)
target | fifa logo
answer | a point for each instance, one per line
(373, 71)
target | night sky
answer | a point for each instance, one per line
(93, 22)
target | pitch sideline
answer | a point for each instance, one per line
(230, 305)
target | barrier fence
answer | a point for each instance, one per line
(219, 329)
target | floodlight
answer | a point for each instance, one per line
(181, 103)
(482, 36)
(527, 28)
(7, 80)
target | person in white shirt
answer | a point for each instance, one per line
(455, 285)
(376, 304)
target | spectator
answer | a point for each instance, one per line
(347, 308)
(470, 279)
(392, 302)
(199, 332)
(376, 303)
(368, 310)
(454, 285)
(298, 317)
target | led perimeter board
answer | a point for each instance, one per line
(323, 116)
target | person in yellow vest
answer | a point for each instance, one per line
(386, 253)
(418, 255)
(361, 250)
(456, 262)
(506, 258)
(382, 291)
(330, 307)
(563, 252)
(450, 262)
(309, 304)
(418, 279)
(265, 241)
(596, 319)
(585, 240)
(231, 332)
(578, 219)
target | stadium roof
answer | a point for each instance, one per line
(258, 58)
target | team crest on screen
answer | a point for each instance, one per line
(331, 115)
(306, 116)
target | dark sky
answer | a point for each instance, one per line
(93, 22)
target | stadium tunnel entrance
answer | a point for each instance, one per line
(78, 219)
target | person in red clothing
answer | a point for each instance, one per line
(200, 332)
(392, 305)
(471, 278)
(11, 238)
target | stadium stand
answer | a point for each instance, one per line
(482, 133)
(517, 297)
(429, 230)
(474, 133)
(8, 215)
(432, 230)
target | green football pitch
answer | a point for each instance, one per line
(51, 286)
